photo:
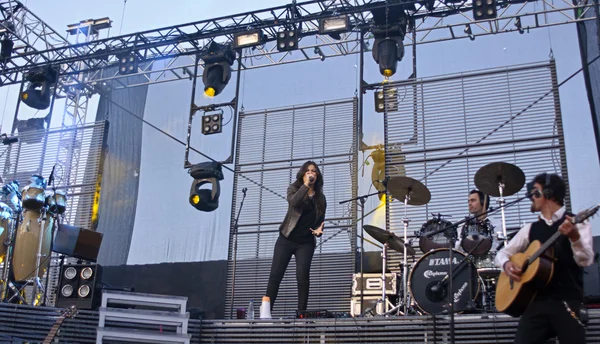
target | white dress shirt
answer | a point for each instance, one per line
(582, 248)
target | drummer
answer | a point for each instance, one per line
(479, 204)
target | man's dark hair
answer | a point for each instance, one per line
(553, 187)
(482, 198)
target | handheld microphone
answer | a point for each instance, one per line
(311, 179)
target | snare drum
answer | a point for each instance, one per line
(6, 223)
(477, 237)
(57, 202)
(486, 267)
(26, 245)
(440, 240)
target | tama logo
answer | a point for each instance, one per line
(430, 274)
(442, 261)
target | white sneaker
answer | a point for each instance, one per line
(265, 308)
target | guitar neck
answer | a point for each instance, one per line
(54, 330)
(545, 246)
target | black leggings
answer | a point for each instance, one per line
(284, 249)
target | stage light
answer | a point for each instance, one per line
(217, 68)
(392, 100)
(212, 123)
(204, 173)
(38, 92)
(81, 289)
(128, 64)
(287, 40)
(389, 31)
(248, 39)
(484, 9)
(319, 52)
(6, 49)
(334, 26)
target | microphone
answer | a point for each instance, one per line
(51, 178)
(311, 179)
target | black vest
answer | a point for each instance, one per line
(567, 280)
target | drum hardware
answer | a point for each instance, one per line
(413, 192)
(500, 179)
(361, 202)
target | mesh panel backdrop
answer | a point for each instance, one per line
(272, 145)
(447, 128)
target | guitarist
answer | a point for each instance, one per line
(555, 309)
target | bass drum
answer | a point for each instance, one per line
(26, 245)
(430, 270)
(440, 240)
(6, 228)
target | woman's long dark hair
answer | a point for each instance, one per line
(318, 187)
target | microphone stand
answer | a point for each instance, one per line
(55, 225)
(451, 242)
(235, 242)
(362, 199)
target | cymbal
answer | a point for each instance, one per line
(400, 186)
(488, 177)
(388, 237)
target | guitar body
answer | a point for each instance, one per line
(514, 297)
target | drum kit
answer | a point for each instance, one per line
(26, 233)
(460, 261)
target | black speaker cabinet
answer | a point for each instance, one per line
(79, 286)
(591, 277)
(77, 242)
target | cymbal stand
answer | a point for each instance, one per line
(362, 199)
(501, 203)
(6, 273)
(405, 220)
(37, 284)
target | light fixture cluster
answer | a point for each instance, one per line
(77, 286)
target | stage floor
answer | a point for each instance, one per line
(20, 324)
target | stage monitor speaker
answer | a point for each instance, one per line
(77, 242)
(79, 286)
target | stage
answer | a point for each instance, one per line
(20, 324)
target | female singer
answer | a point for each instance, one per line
(306, 211)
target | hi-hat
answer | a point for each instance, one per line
(489, 176)
(399, 187)
(388, 237)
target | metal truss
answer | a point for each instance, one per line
(445, 22)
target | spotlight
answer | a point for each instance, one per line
(389, 31)
(78, 286)
(217, 68)
(287, 40)
(319, 52)
(128, 64)
(248, 39)
(37, 94)
(203, 173)
(334, 26)
(484, 9)
(212, 123)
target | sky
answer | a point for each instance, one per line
(168, 104)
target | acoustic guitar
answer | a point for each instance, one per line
(67, 313)
(537, 268)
